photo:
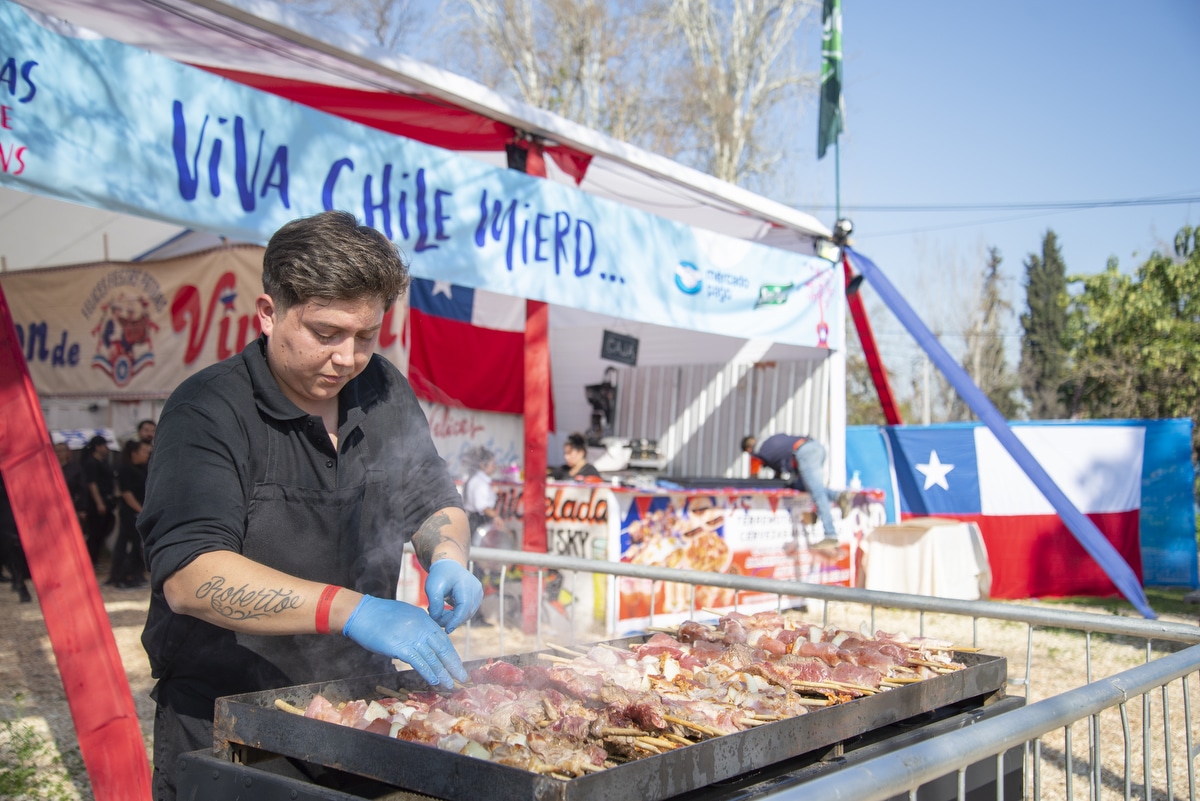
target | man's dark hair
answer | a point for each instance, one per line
(748, 443)
(577, 442)
(331, 257)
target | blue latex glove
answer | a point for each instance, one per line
(451, 583)
(404, 631)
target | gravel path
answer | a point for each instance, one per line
(32, 697)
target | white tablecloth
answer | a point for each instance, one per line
(928, 556)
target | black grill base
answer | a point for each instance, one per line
(205, 777)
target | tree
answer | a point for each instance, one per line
(586, 60)
(1133, 342)
(389, 23)
(1044, 324)
(985, 360)
(695, 80)
(738, 77)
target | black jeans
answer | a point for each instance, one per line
(99, 526)
(175, 734)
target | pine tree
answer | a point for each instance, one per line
(985, 360)
(1044, 325)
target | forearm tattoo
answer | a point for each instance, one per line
(434, 540)
(242, 603)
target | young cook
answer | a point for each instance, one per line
(283, 485)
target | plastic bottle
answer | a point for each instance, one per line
(856, 481)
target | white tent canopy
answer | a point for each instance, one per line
(266, 39)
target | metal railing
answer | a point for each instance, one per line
(1112, 761)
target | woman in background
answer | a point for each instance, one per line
(577, 467)
(479, 502)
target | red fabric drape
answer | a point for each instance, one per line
(422, 118)
(93, 677)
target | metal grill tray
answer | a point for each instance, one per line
(252, 720)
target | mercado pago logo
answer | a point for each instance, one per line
(719, 285)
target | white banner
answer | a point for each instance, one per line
(130, 330)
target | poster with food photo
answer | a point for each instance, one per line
(760, 534)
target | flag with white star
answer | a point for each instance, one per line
(936, 470)
(961, 471)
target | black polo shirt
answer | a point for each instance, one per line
(236, 466)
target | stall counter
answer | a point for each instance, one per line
(765, 533)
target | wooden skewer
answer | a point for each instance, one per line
(586, 768)
(694, 726)
(564, 650)
(658, 741)
(637, 743)
(554, 658)
(768, 716)
(613, 648)
(670, 735)
(286, 707)
(712, 611)
(751, 722)
(834, 685)
(618, 732)
(662, 629)
(862, 688)
(932, 664)
(902, 680)
(813, 701)
(554, 774)
(388, 692)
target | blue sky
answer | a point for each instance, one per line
(963, 102)
(951, 102)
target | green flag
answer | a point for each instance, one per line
(830, 124)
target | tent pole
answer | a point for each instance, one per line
(537, 425)
(526, 155)
(879, 376)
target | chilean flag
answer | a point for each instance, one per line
(962, 472)
(466, 347)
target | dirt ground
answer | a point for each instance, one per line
(32, 696)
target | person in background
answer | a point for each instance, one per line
(72, 472)
(479, 499)
(128, 565)
(12, 553)
(479, 502)
(577, 466)
(803, 458)
(101, 499)
(145, 431)
(283, 485)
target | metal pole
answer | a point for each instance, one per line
(837, 179)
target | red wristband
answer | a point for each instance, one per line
(324, 605)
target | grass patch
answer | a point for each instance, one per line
(30, 766)
(1163, 600)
